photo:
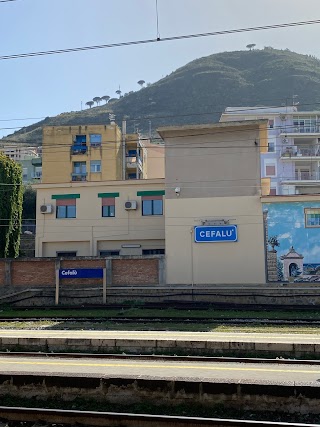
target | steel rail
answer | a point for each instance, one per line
(155, 357)
(112, 419)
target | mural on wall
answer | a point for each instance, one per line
(293, 241)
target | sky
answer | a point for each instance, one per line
(44, 86)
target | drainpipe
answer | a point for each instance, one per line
(124, 132)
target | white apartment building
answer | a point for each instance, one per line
(18, 152)
(292, 160)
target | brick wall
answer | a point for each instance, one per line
(135, 271)
(2, 272)
(35, 272)
(31, 272)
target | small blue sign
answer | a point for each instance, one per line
(81, 273)
(215, 233)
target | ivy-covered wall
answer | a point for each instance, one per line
(11, 197)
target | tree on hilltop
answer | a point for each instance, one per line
(105, 98)
(90, 103)
(250, 46)
(141, 82)
(97, 99)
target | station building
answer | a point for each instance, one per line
(205, 216)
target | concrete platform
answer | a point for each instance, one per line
(148, 342)
(263, 387)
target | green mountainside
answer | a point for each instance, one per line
(199, 91)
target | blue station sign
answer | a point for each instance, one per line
(215, 233)
(81, 273)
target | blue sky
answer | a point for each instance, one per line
(45, 86)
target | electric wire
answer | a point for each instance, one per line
(156, 40)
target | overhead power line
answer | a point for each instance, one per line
(157, 40)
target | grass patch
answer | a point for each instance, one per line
(158, 326)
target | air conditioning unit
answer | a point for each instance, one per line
(130, 205)
(46, 209)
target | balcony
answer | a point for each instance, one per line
(303, 178)
(79, 176)
(36, 175)
(78, 149)
(133, 162)
(301, 152)
(300, 129)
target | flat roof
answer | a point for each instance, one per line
(254, 124)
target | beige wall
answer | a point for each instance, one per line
(216, 168)
(221, 263)
(220, 160)
(155, 160)
(89, 232)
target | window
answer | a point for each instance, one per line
(38, 172)
(273, 192)
(132, 176)
(271, 123)
(79, 167)
(95, 139)
(79, 171)
(312, 217)
(152, 205)
(109, 253)
(108, 207)
(132, 153)
(270, 170)
(66, 254)
(79, 144)
(271, 147)
(25, 174)
(95, 166)
(153, 251)
(66, 208)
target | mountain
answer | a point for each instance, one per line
(199, 91)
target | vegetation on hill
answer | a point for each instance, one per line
(199, 91)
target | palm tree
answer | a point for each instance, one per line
(105, 98)
(90, 103)
(141, 82)
(97, 99)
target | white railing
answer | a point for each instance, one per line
(301, 151)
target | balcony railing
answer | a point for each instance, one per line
(79, 149)
(134, 161)
(301, 151)
(79, 176)
(304, 129)
(36, 175)
(302, 176)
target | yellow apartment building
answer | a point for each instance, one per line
(96, 153)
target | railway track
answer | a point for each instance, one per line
(20, 417)
(155, 358)
(187, 320)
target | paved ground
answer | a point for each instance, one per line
(166, 335)
(257, 373)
